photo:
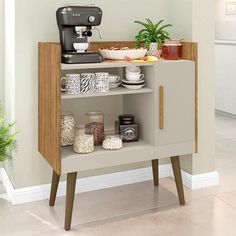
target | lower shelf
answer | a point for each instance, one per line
(100, 158)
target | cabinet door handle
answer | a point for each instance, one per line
(161, 107)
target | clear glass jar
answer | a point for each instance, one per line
(95, 123)
(112, 141)
(67, 129)
(83, 142)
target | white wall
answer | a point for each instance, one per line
(181, 18)
(225, 24)
(225, 77)
(35, 22)
(225, 49)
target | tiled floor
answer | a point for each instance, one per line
(139, 209)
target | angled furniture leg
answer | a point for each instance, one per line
(178, 178)
(54, 187)
(155, 172)
(70, 193)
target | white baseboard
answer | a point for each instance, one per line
(194, 182)
(41, 192)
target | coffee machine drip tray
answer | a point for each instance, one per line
(81, 58)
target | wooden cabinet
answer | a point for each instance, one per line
(165, 110)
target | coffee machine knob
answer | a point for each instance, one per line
(91, 19)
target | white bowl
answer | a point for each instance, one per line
(122, 54)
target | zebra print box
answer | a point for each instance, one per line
(87, 83)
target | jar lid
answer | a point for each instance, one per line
(126, 119)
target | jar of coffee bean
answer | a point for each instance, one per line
(67, 129)
(95, 123)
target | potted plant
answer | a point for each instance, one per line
(152, 36)
(7, 136)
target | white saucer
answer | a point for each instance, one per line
(133, 86)
(133, 81)
(114, 85)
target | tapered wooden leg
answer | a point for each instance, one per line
(178, 178)
(155, 172)
(70, 193)
(54, 187)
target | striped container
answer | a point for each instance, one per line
(87, 83)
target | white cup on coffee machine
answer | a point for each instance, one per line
(80, 47)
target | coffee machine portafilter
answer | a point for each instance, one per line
(76, 24)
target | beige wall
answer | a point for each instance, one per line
(32, 26)
(35, 21)
(1, 51)
(181, 18)
(203, 32)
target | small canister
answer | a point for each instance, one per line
(67, 129)
(87, 83)
(102, 82)
(95, 122)
(112, 141)
(84, 142)
(128, 128)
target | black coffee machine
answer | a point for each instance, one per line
(75, 25)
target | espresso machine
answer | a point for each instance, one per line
(76, 25)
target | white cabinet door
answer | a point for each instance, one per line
(175, 102)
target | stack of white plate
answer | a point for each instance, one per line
(134, 78)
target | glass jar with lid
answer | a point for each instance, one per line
(95, 123)
(83, 142)
(112, 141)
(67, 129)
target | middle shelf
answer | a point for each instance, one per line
(112, 92)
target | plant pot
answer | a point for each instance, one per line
(154, 51)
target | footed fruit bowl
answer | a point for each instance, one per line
(124, 53)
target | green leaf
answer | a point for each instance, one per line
(152, 33)
(7, 136)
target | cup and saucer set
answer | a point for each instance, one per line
(134, 78)
(114, 81)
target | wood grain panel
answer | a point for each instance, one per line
(49, 104)
(190, 52)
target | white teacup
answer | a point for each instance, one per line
(133, 69)
(113, 78)
(134, 77)
(80, 47)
